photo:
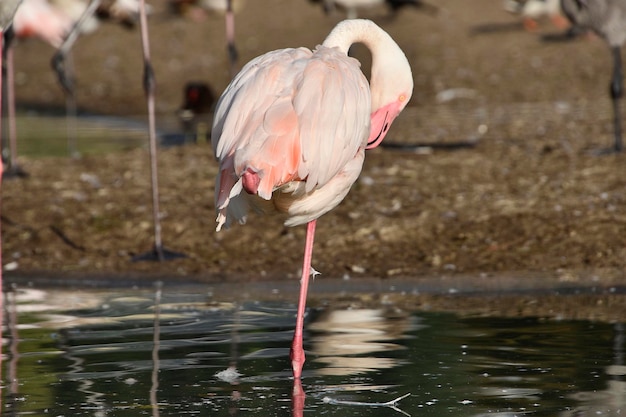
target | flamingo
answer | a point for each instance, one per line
(127, 12)
(52, 21)
(7, 11)
(605, 18)
(158, 252)
(293, 126)
(34, 18)
(351, 6)
(86, 16)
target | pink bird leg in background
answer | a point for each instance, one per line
(292, 127)
(39, 19)
(7, 11)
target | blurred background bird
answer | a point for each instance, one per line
(196, 112)
(535, 11)
(351, 7)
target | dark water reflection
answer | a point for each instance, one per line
(180, 352)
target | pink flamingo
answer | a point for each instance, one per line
(39, 18)
(158, 252)
(7, 11)
(292, 127)
(53, 22)
(126, 12)
(86, 16)
(34, 18)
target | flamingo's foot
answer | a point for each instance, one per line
(158, 254)
(14, 172)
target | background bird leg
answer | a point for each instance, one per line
(12, 169)
(149, 83)
(58, 60)
(233, 55)
(62, 66)
(617, 91)
(3, 25)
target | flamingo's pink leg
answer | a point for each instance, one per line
(297, 351)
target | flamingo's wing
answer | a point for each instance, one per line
(244, 101)
(290, 115)
(244, 129)
(333, 106)
(255, 124)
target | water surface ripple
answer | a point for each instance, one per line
(180, 352)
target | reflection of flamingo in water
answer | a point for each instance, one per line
(348, 341)
(293, 126)
(14, 355)
(230, 374)
(156, 345)
(610, 400)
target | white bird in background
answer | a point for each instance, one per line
(532, 11)
(292, 129)
(351, 7)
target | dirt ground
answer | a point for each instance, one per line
(529, 196)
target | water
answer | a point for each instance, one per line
(47, 135)
(129, 352)
(41, 135)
